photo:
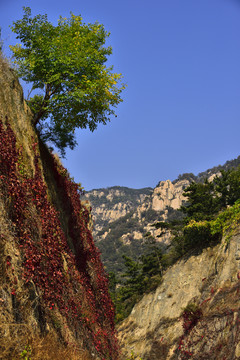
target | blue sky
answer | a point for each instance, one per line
(181, 109)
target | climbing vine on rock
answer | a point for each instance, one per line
(211, 330)
(67, 271)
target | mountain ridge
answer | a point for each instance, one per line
(122, 216)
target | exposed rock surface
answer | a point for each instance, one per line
(154, 329)
(122, 216)
(108, 205)
(167, 194)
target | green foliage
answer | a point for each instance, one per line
(133, 278)
(191, 315)
(21, 165)
(209, 215)
(174, 215)
(152, 268)
(226, 222)
(212, 211)
(134, 357)
(227, 187)
(66, 65)
(186, 176)
(202, 202)
(191, 308)
(229, 165)
(112, 248)
(206, 199)
(202, 233)
(140, 277)
(196, 233)
(150, 215)
(26, 353)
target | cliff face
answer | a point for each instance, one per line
(167, 194)
(122, 217)
(194, 313)
(108, 205)
(54, 300)
(111, 204)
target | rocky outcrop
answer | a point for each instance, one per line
(113, 203)
(123, 216)
(167, 194)
(206, 282)
(108, 205)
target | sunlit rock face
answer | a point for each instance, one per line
(167, 194)
(210, 280)
(123, 216)
(111, 204)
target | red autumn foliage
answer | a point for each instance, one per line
(79, 290)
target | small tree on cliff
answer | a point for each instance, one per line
(66, 64)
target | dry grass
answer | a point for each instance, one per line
(18, 343)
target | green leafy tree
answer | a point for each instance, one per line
(66, 65)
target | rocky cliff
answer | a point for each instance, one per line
(108, 205)
(54, 301)
(194, 313)
(122, 216)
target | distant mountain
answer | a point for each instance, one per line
(122, 216)
(110, 204)
(230, 164)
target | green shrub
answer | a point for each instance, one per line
(26, 353)
(196, 233)
(133, 357)
(227, 221)
(191, 315)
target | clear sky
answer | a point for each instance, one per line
(181, 109)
